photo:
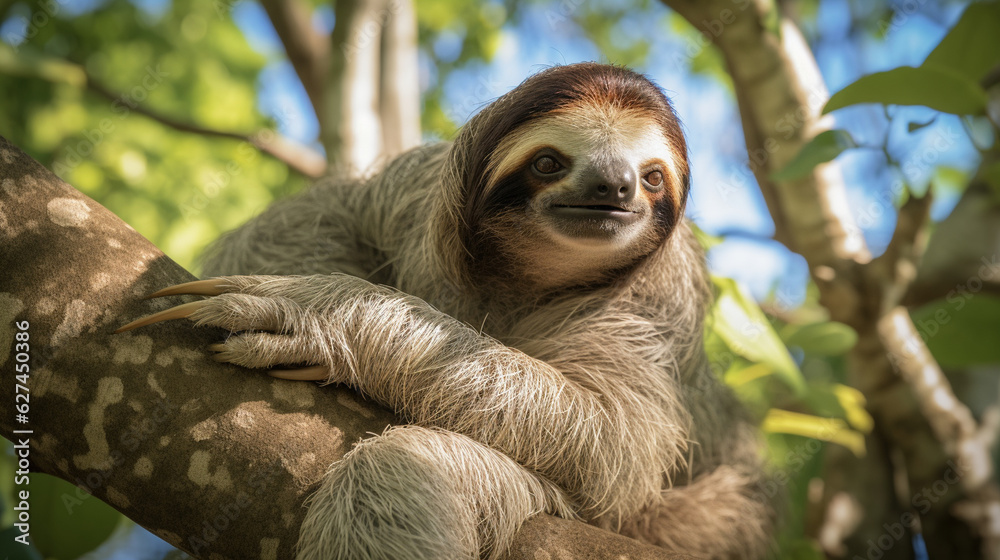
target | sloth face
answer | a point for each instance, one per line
(575, 175)
(592, 179)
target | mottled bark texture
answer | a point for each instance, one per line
(215, 459)
(780, 93)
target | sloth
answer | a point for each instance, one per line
(530, 299)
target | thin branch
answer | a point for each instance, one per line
(298, 157)
(307, 49)
(897, 267)
(952, 423)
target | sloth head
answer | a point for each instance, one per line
(571, 178)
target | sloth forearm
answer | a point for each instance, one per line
(438, 371)
(608, 439)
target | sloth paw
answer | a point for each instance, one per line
(270, 328)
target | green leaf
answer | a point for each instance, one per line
(961, 330)
(833, 430)
(943, 89)
(824, 147)
(740, 323)
(839, 401)
(66, 522)
(736, 375)
(972, 47)
(853, 402)
(14, 550)
(821, 339)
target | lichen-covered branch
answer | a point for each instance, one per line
(215, 459)
(966, 444)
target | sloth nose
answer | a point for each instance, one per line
(611, 183)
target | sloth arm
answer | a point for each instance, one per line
(599, 417)
(335, 225)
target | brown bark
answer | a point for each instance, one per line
(307, 49)
(215, 459)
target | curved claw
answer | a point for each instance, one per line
(180, 312)
(311, 373)
(210, 287)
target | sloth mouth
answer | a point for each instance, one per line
(594, 212)
(592, 221)
(598, 207)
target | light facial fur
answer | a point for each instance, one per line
(539, 326)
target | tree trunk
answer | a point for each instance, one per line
(372, 92)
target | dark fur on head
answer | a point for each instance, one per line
(560, 89)
(491, 205)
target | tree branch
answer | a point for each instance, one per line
(953, 424)
(353, 132)
(215, 459)
(399, 84)
(897, 266)
(308, 50)
(779, 92)
(296, 156)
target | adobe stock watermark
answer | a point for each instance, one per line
(223, 8)
(794, 461)
(47, 9)
(901, 13)
(217, 181)
(908, 522)
(222, 518)
(371, 30)
(709, 29)
(759, 158)
(943, 140)
(958, 297)
(129, 441)
(486, 88)
(562, 12)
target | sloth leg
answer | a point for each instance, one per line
(725, 514)
(422, 494)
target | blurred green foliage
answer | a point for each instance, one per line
(193, 65)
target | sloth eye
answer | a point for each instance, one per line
(654, 178)
(546, 165)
